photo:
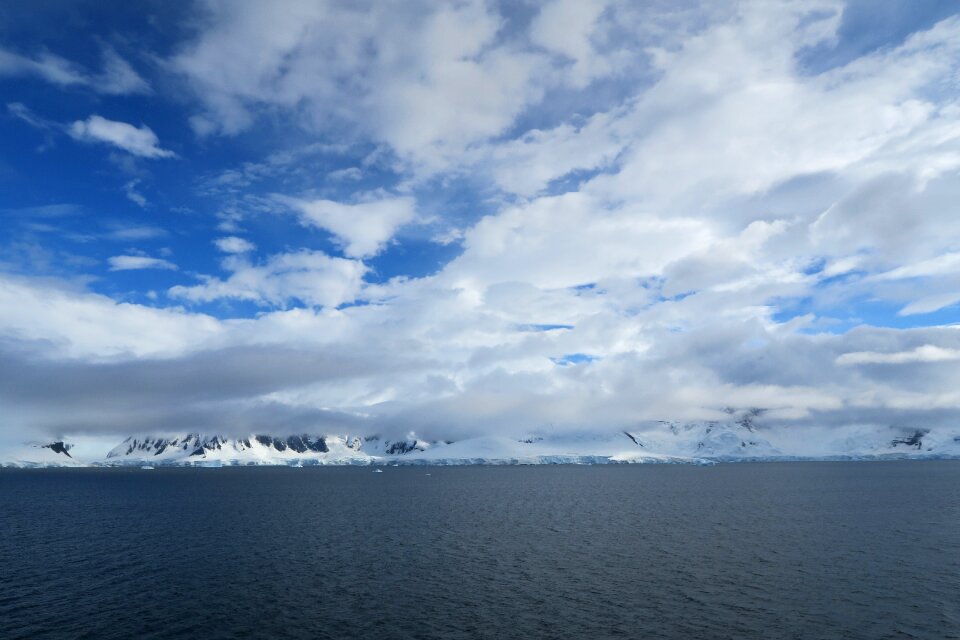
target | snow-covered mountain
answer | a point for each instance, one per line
(308, 450)
(653, 442)
(216, 450)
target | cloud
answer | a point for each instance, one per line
(139, 141)
(233, 244)
(46, 66)
(122, 232)
(226, 390)
(688, 197)
(49, 211)
(565, 27)
(350, 173)
(134, 196)
(948, 263)
(66, 323)
(552, 242)
(362, 228)
(929, 304)
(116, 77)
(21, 111)
(452, 62)
(311, 277)
(703, 130)
(132, 263)
(926, 353)
(527, 165)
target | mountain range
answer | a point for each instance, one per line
(656, 442)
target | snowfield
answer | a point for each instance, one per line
(655, 442)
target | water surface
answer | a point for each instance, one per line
(779, 550)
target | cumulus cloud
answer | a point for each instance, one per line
(565, 27)
(234, 244)
(135, 262)
(452, 62)
(140, 141)
(311, 277)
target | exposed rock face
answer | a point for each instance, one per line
(402, 446)
(301, 444)
(59, 447)
(199, 445)
(914, 439)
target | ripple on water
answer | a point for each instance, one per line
(853, 550)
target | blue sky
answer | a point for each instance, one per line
(574, 213)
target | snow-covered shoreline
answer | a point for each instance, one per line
(655, 443)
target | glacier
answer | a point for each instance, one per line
(659, 442)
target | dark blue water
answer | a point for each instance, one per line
(792, 550)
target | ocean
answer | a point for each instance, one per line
(751, 550)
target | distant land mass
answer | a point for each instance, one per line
(738, 440)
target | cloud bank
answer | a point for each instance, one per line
(671, 211)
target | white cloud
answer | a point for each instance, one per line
(234, 244)
(311, 277)
(929, 304)
(139, 141)
(565, 27)
(362, 228)
(926, 353)
(553, 242)
(948, 263)
(528, 164)
(727, 207)
(68, 323)
(440, 78)
(131, 263)
(705, 129)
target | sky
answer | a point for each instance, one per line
(464, 218)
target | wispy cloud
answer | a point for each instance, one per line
(116, 77)
(137, 262)
(134, 196)
(926, 353)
